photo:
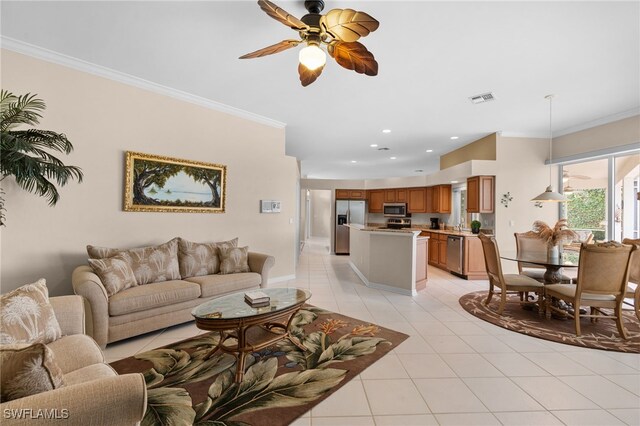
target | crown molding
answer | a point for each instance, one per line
(108, 73)
(598, 122)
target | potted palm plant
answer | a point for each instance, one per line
(24, 153)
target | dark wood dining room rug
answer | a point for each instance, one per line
(280, 383)
(600, 335)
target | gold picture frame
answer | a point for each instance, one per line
(154, 183)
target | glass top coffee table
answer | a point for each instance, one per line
(253, 328)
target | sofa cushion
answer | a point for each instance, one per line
(234, 260)
(76, 351)
(27, 370)
(198, 259)
(114, 272)
(149, 264)
(154, 295)
(26, 316)
(88, 373)
(213, 285)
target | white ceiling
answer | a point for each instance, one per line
(432, 56)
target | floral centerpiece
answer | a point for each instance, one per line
(555, 236)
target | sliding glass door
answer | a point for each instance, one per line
(603, 197)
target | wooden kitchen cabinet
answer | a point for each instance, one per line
(376, 199)
(417, 200)
(433, 249)
(351, 194)
(429, 200)
(389, 195)
(401, 195)
(480, 194)
(442, 251)
(441, 199)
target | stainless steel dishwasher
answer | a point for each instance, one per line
(454, 253)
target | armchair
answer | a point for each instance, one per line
(93, 394)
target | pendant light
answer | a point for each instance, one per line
(549, 195)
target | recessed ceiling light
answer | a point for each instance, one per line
(453, 138)
(353, 161)
(374, 145)
(392, 158)
(454, 181)
(429, 150)
(386, 131)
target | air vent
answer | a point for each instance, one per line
(419, 171)
(485, 97)
(384, 148)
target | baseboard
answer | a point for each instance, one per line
(275, 280)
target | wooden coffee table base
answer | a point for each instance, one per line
(251, 334)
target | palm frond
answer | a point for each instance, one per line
(559, 234)
(24, 109)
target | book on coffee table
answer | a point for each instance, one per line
(255, 298)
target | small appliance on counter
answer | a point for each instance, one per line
(398, 223)
(434, 223)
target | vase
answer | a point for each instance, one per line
(553, 252)
(475, 230)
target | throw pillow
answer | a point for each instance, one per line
(234, 260)
(26, 316)
(149, 264)
(115, 273)
(197, 259)
(27, 370)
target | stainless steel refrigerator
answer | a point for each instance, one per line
(348, 212)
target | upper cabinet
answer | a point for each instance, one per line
(480, 194)
(441, 199)
(376, 199)
(401, 195)
(351, 194)
(417, 200)
(390, 196)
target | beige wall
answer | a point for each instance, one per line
(619, 133)
(104, 119)
(482, 149)
(520, 170)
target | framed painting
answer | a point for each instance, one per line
(163, 184)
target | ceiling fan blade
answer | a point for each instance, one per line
(353, 56)
(270, 50)
(308, 76)
(281, 15)
(579, 177)
(347, 24)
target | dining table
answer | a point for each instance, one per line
(553, 264)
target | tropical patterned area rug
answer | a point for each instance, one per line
(600, 335)
(280, 383)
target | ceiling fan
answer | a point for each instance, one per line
(338, 29)
(566, 176)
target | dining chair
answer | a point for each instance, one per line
(603, 272)
(513, 283)
(527, 242)
(634, 275)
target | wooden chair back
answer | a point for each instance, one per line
(604, 269)
(529, 242)
(492, 259)
(634, 263)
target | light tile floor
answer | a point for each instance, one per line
(454, 369)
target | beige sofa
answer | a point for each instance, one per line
(92, 388)
(150, 307)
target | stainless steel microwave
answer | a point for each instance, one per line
(394, 209)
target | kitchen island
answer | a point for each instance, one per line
(389, 259)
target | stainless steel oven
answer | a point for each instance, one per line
(394, 209)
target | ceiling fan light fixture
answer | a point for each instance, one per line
(312, 57)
